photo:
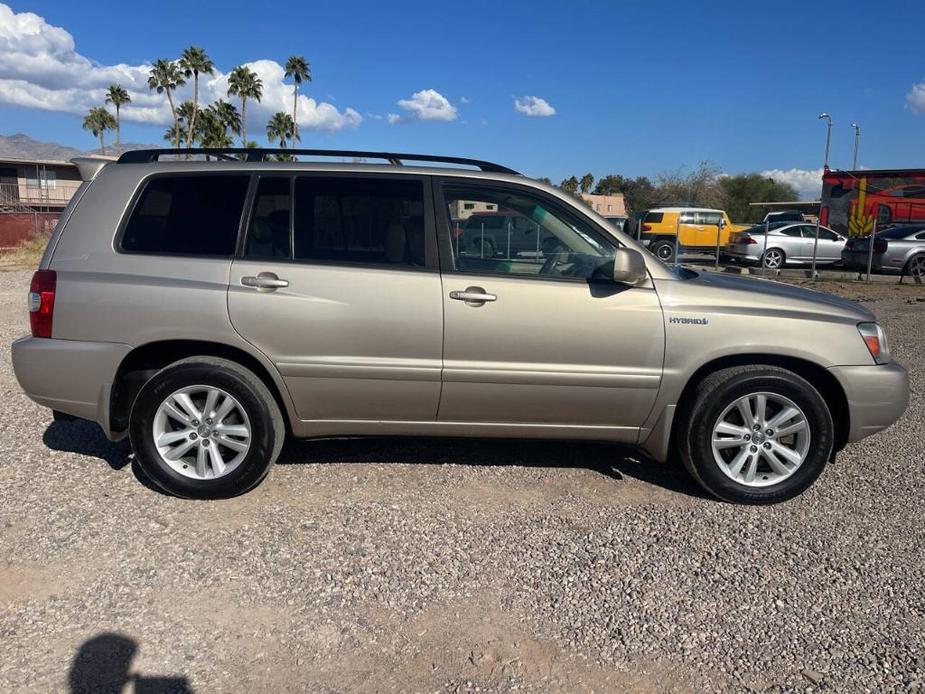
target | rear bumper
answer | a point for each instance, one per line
(70, 376)
(877, 396)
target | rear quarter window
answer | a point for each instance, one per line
(187, 215)
(654, 217)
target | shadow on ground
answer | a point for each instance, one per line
(103, 665)
(86, 438)
(611, 460)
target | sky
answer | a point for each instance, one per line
(548, 88)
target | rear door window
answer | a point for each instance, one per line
(187, 215)
(359, 220)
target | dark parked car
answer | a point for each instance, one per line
(896, 248)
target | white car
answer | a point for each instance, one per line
(787, 243)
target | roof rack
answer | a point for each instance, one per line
(145, 156)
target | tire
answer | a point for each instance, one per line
(773, 259)
(663, 250)
(713, 398)
(915, 267)
(483, 248)
(253, 425)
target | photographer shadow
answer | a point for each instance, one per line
(102, 665)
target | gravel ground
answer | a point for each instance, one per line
(418, 565)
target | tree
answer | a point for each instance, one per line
(244, 83)
(638, 193)
(98, 120)
(742, 189)
(193, 63)
(211, 127)
(228, 116)
(700, 188)
(586, 182)
(300, 71)
(166, 77)
(570, 185)
(117, 96)
(281, 127)
(545, 179)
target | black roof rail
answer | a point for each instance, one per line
(145, 156)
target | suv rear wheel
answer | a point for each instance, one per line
(206, 428)
(663, 250)
(756, 434)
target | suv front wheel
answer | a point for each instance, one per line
(756, 434)
(206, 428)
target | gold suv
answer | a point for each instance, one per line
(208, 303)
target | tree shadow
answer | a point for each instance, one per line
(102, 665)
(612, 460)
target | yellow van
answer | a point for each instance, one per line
(698, 227)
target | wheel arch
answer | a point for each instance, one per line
(818, 376)
(139, 365)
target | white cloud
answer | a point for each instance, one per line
(464, 100)
(41, 68)
(915, 99)
(533, 106)
(808, 183)
(427, 104)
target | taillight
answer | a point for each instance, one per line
(647, 227)
(748, 241)
(42, 302)
(880, 246)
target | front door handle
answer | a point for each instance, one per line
(265, 281)
(473, 296)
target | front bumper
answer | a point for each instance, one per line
(877, 396)
(70, 376)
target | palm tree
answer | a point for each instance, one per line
(228, 116)
(243, 82)
(281, 127)
(300, 71)
(211, 130)
(195, 62)
(98, 121)
(166, 76)
(117, 96)
(586, 182)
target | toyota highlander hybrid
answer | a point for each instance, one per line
(208, 304)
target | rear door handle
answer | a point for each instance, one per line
(473, 296)
(265, 281)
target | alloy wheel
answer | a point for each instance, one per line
(761, 439)
(773, 259)
(201, 432)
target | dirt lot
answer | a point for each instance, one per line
(417, 565)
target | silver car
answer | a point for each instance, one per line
(208, 309)
(899, 248)
(788, 243)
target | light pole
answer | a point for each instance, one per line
(857, 140)
(825, 165)
(828, 137)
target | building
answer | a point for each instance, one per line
(463, 209)
(606, 205)
(33, 193)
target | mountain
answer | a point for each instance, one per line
(21, 146)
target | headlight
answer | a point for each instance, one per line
(875, 339)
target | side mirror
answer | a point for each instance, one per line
(629, 267)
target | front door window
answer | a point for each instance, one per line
(506, 231)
